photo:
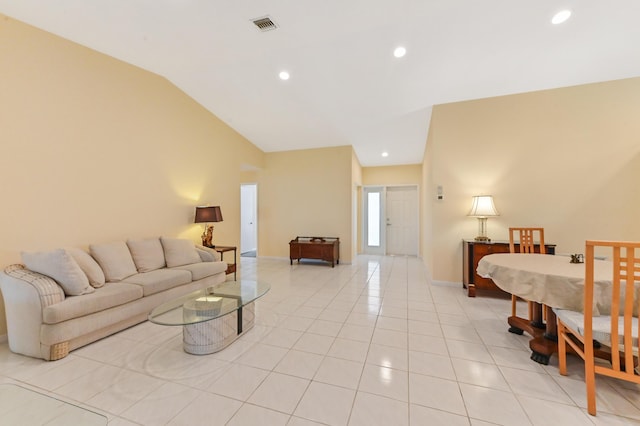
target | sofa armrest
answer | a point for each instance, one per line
(25, 294)
(207, 254)
(48, 290)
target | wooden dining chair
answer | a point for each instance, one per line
(526, 244)
(617, 332)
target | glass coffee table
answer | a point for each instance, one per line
(213, 317)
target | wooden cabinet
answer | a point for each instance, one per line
(322, 248)
(473, 251)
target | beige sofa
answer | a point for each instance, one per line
(63, 299)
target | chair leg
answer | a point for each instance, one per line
(562, 349)
(590, 378)
(514, 309)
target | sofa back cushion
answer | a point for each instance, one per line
(178, 252)
(114, 259)
(147, 254)
(59, 265)
(89, 266)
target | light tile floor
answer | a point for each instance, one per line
(372, 343)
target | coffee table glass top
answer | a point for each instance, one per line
(208, 303)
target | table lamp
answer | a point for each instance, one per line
(206, 215)
(482, 208)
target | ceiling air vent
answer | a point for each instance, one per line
(264, 24)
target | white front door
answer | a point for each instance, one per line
(402, 220)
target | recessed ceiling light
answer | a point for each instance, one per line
(399, 52)
(561, 17)
(284, 75)
(385, 154)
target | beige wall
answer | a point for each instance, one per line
(305, 193)
(409, 174)
(567, 160)
(356, 206)
(96, 150)
(427, 201)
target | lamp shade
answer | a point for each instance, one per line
(206, 214)
(483, 206)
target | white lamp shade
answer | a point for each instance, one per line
(483, 206)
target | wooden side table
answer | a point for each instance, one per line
(231, 267)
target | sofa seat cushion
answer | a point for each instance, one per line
(105, 297)
(203, 269)
(159, 280)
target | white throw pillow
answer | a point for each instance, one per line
(147, 254)
(208, 254)
(59, 265)
(178, 252)
(89, 266)
(205, 256)
(114, 259)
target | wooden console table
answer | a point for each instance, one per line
(322, 248)
(473, 251)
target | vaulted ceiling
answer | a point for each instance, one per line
(345, 86)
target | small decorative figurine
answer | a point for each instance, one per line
(207, 237)
(577, 258)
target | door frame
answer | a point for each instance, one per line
(382, 250)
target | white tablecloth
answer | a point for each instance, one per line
(548, 279)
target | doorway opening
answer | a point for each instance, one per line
(249, 220)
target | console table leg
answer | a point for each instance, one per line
(471, 290)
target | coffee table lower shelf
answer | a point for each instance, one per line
(214, 335)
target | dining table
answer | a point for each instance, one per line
(549, 282)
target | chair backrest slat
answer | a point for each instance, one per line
(615, 310)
